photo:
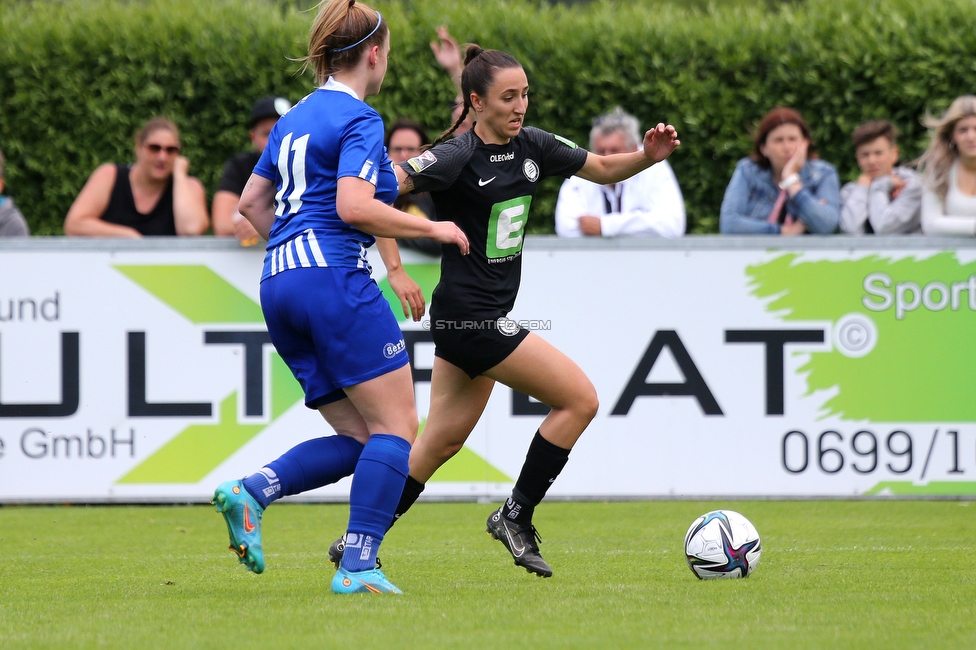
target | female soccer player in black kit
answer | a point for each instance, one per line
(484, 181)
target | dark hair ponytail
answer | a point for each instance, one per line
(471, 53)
(480, 66)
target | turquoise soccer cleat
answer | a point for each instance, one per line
(362, 582)
(243, 516)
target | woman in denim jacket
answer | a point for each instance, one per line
(778, 190)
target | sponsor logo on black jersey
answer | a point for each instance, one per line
(502, 157)
(530, 169)
(423, 161)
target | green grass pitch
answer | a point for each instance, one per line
(834, 574)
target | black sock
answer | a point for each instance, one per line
(411, 490)
(543, 463)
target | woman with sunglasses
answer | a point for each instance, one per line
(154, 196)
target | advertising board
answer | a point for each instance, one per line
(835, 367)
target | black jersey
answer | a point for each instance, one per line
(487, 190)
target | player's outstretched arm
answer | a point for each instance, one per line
(357, 206)
(659, 142)
(406, 289)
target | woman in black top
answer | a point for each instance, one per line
(484, 181)
(154, 196)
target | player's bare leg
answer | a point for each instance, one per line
(543, 372)
(540, 370)
(456, 404)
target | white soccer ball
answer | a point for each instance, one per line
(722, 544)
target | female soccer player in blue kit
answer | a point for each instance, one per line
(320, 192)
(485, 180)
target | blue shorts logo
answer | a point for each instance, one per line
(390, 350)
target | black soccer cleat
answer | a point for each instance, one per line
(335, 551)
(338, 547)
(521, 541)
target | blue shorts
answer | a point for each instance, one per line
(333, 328)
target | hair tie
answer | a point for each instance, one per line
(379, 19)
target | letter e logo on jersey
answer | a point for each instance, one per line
(506, 225)
(530, 169)
(423, 161)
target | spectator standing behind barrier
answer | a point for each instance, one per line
(12, 222)
(404, 140)
(948, 169)
(886, 199)
(648, 204)
(237, 169)
(154, 196)
(782, 188)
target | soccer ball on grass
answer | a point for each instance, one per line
(722, 544)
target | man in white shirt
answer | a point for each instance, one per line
(648, 204)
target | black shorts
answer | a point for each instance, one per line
(475, 345)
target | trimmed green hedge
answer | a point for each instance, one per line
(78, 77)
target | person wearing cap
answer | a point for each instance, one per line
(226, 218)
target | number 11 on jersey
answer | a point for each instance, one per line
(295, 170)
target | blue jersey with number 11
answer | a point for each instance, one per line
(326, 136)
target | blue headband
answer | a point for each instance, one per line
(379, 19)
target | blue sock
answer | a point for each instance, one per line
(376, 488)
(304, 467)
